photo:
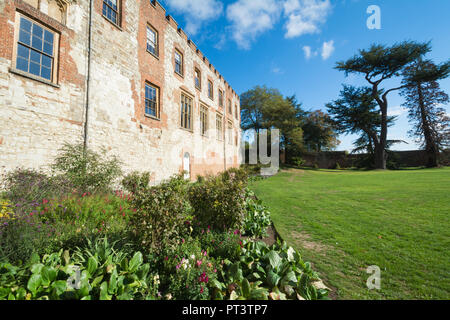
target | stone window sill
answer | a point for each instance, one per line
(114, 24)
(33, 77)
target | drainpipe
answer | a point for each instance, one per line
(86, 123)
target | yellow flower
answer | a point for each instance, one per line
(6, 209)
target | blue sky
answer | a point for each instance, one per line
(293, 45)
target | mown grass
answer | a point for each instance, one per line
(344, 221)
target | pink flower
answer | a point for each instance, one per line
(199, 263)
(45, 201)
(215, 270)
(201, 289)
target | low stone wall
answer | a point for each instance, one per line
(328, 159)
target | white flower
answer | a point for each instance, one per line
(193, 257)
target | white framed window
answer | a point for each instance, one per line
(152, 41)
(35, 51)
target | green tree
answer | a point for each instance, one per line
(356, 112)
(431, 125)
(319, 132)
(266, 108)
(378, 64)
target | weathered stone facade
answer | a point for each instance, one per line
(37, 116)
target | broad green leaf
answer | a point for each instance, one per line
(112, 283)
(234, 295)
(104, 291)
(290, 254)
(274, 259)
(135, 262)
(21, 294)
(97, 281)
(273, 279)
(37, 268)
(92, 265)
(60, 286)
(34, 282)
(245, 288)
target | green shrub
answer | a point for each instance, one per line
(257, 218)
(105, 272)
(26, 186)
(163, 214)
(188, 272)
(222, 245)
(298, 161)
(136, 181)
(88, 171)
(276, 272)
(63, 222)
(219, 201)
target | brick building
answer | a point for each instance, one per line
(118, 74)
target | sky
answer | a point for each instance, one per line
(293, 45)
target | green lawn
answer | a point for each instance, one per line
(345, 221)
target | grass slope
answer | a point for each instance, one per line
(345, 221)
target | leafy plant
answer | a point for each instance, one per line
(219, 201)
(257, 218)
(163, 214)
(278, 269)
(98, 272)
(298, 161)
(136, 181)
(88, 171)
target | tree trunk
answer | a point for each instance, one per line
(380, 148)
(380, 157)
(430, 145)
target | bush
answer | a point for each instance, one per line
(337, 166)
(222, 245)
(105, 273)
(136, 181)
(63, 222)
(163, 214)
(188, 272)
(299, 162)
(219, 201)
(257, 218)
(87, 170)
(26, 186)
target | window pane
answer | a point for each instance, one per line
(37, 43)
(48, 37)
(35, 69)
(35, 57)
(46, 73)
(23, 51)
(25, 37)
(46, 61)
(25, 24)
(22, 64)
(37, 31)
(48, 48)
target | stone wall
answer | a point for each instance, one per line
(37, 117)
(328, 160)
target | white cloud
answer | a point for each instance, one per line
(196, 12)
(250, 18)
(308, 52)
(305, 16)
(396, 111)
(327, 49)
